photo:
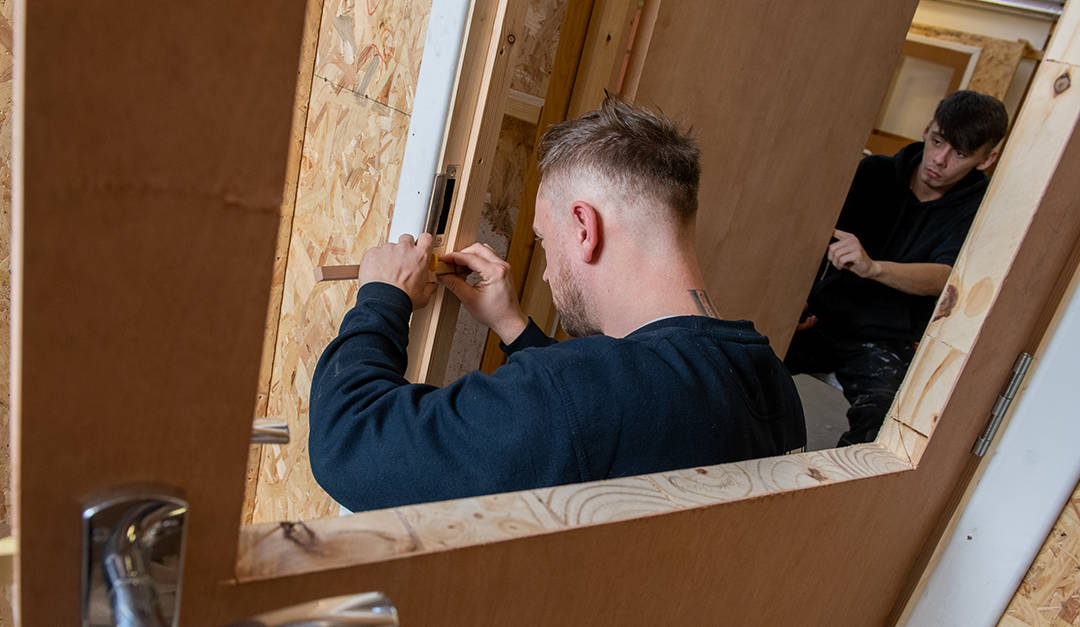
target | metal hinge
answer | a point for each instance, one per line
(1001, 406)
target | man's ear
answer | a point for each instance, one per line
(991, 157)
(587, 230)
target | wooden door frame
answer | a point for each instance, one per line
(611, 550)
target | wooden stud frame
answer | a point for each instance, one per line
(146, 272)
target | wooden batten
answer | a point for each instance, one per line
(474, 131)
(572, 34)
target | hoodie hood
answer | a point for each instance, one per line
(971, 186)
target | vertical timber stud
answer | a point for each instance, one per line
(484, 80)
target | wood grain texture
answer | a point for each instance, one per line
(778, 147)
(146, 401)
(373, 49)
(304, 72)
(355, 129)
(490, 53)
(6, 7)
(1004, 218)
(572, 34)
(274, 549)
(1050, 592)
(351, 163)
(998, 58)
(153, 152)
(540, 34)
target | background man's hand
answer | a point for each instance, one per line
(846, 253)
(493, 300)
(403, 265)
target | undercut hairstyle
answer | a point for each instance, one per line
(969, 120)
(645, 154)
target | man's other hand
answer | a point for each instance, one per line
(403, 265)
(846, 253)
(493, 300)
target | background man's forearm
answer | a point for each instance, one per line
(923, 279)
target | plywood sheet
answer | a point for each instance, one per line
(997, 62)
(779, 148)
(1050, 592)
(5, 285)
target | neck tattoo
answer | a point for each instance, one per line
(704, 305)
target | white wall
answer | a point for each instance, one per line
(1028, 480)
(992, 23)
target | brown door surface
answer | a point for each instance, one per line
(150, 157)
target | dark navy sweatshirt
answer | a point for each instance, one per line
(679, 392)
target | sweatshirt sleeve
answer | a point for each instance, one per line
(378, 441)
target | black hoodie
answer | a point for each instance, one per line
(892, 225)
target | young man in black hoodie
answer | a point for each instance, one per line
(901, 228)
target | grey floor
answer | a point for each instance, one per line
(824, 407)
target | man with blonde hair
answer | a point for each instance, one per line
(654, 380)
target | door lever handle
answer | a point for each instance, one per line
(369, 608)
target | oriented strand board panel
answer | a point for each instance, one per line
(781, 114)
(997, 62)
(1050, 592)
(357, 122)
(312, 20)
(536, 57)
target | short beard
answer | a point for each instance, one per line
(570, 303)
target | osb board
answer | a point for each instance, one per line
(1050, 592)
(349, 171)
(373, 48)
(366, 67)
(536, 57)
(312, 18)
(997, 62)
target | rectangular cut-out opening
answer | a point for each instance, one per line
(265, 549)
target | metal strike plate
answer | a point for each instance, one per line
(133, 558)
(369, 608)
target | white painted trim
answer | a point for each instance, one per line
(436, 85)
(974, 51)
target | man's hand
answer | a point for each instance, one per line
(846, 253)
(806, 321)
(493, 301)
(403, 265)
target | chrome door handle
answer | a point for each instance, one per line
(369, 608)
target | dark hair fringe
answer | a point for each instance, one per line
(969, 120)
